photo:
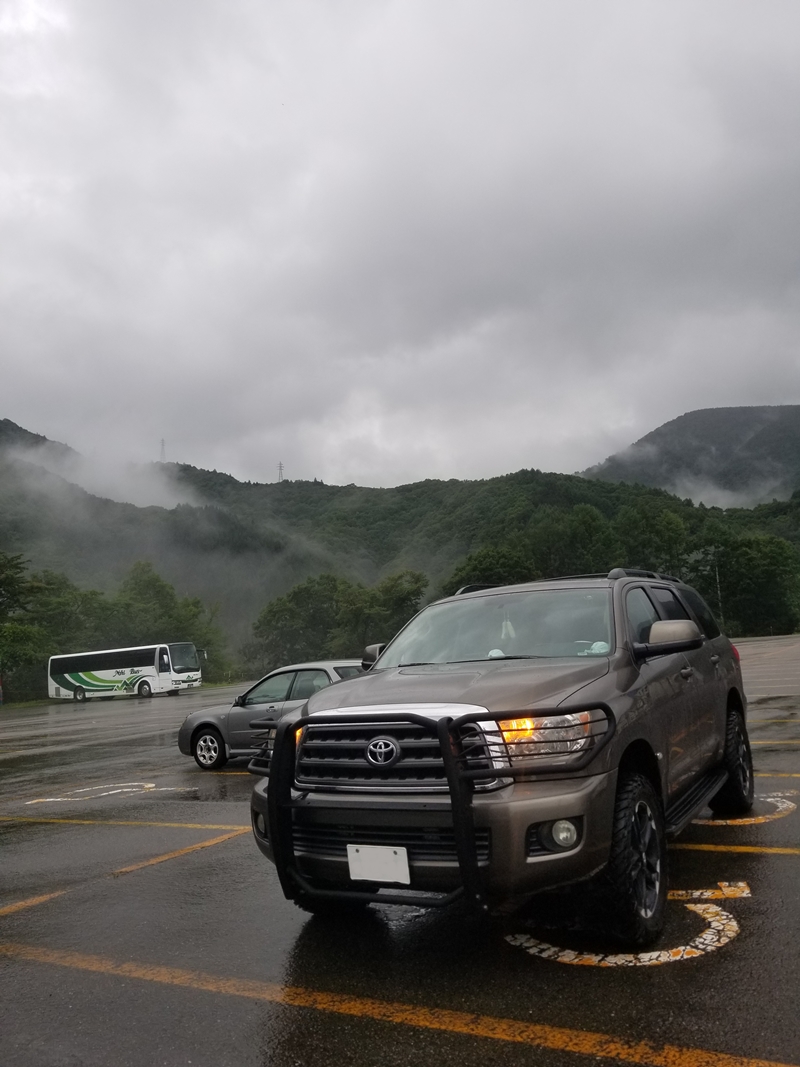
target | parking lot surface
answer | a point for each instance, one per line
(139, 924)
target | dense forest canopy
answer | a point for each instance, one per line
(346, 563)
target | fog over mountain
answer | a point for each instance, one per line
(724, 457)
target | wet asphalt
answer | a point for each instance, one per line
(109, 958)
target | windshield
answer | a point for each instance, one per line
(184, 658)
(542, 623)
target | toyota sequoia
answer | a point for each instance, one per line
(511, 740)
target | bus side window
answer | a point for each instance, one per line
(163, 661)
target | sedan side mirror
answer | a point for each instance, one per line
(668, 636)
(371, 653)
(238, 702)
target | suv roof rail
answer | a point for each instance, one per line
(633, 572)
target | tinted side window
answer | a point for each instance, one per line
(641, 614)
(276, 687)
(708, 624)
(308, 683)
(671, 607)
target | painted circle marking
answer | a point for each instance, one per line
(721, 927)
(783, 808)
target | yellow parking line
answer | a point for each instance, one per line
(514, 1031)
(775, 742)
(775, 774)
(741, 848)
(31, 902)
(749, 721)
(180, 852)
(126, 822)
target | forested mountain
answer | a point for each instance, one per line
(726, 456)
(238, 546)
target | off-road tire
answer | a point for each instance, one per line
(736, 796)
(145, 690)
(635, 881)
(208, 749)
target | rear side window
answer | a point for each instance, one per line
(276, 687)
(641, 614)
(671, 607)
(708, 624)
(308, 683)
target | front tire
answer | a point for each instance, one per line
(208, 749)
(79, 695)
(145, 690)
(636, 876)
(736, 796)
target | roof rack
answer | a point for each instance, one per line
(633, 572)
(475, 588)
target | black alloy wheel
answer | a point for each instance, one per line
(636, 876)
(79, 695)
(736, 796)
(208, 749)
(145, 689)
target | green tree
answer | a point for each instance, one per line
(492, 566)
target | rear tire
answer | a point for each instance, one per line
(736, 796)
(636, 876)
(145, 690)
(79, 695)
(208, 749)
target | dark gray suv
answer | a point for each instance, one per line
(510, 740)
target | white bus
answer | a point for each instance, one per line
(139, 671)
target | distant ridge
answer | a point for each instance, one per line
(14, 436)
(728, 457)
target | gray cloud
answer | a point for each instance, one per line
(387, 241)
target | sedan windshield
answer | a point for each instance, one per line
(184, 658)
(542, 623)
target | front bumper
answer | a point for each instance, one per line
(482, 846)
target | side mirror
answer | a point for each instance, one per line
(238, 702)
(371, 653)
(668, 636)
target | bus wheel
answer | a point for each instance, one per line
(79, 695)
(145, 690)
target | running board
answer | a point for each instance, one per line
(681, 811)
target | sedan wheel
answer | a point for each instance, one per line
(209, 749)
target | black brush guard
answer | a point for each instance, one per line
(461, 779)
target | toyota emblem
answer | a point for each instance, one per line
(383, 752)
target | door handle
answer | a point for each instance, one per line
(687, 672)
(715, 659)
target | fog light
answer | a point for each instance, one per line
(261, 825)
(565, 833)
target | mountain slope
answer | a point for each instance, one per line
(722, 456)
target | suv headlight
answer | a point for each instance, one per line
(552, 735)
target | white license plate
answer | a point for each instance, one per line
(378, 863)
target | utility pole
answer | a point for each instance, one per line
(163, 458)
(280, 471)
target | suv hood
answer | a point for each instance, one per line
(497, 685)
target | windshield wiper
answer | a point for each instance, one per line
(420, 663)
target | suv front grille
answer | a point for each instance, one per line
(334, 756)
(425, 844)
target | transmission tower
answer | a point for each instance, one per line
(163, 458)
(280, 472)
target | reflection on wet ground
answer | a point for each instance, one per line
(140, 925)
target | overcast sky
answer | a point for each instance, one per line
(384, 241)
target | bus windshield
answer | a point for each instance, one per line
(184, 658)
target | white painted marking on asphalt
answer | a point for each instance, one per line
(92, 792)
